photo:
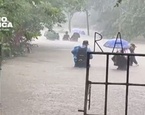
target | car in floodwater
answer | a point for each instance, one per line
(51, 35)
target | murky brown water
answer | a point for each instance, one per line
(45, 83)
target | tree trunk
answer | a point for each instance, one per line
(69, 24)
(70, 15)
(17, 37)
(87, 18)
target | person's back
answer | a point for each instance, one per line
(66, 37)
(75, 37)
(122, 61)
(80, 54)
(81, 57)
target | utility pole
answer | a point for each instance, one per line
(87, 18)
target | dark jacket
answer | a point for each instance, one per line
(76, 49)
(132, 58)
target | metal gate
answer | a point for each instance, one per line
(87, 98)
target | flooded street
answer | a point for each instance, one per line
(46, 83)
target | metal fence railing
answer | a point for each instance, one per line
(87, 99)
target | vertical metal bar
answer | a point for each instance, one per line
(0, 73)
(121, 41)
(0, 56)
(106, 85)
(94, 41)
(127, 85)
(89, 105)
(115, 43)
(87, 83)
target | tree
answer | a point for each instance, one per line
(70, 7)
(104, 17)
(133, 19)
(86, 7)
(28, 18)
(128, 18)
(118, 2)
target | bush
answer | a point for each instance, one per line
(6, 50)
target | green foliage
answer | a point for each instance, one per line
(118, 2)
(28, 18)
(128, 18)
(72, 6)
(6, 50)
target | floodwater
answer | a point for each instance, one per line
(46, 83)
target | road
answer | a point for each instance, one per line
(46, 83)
